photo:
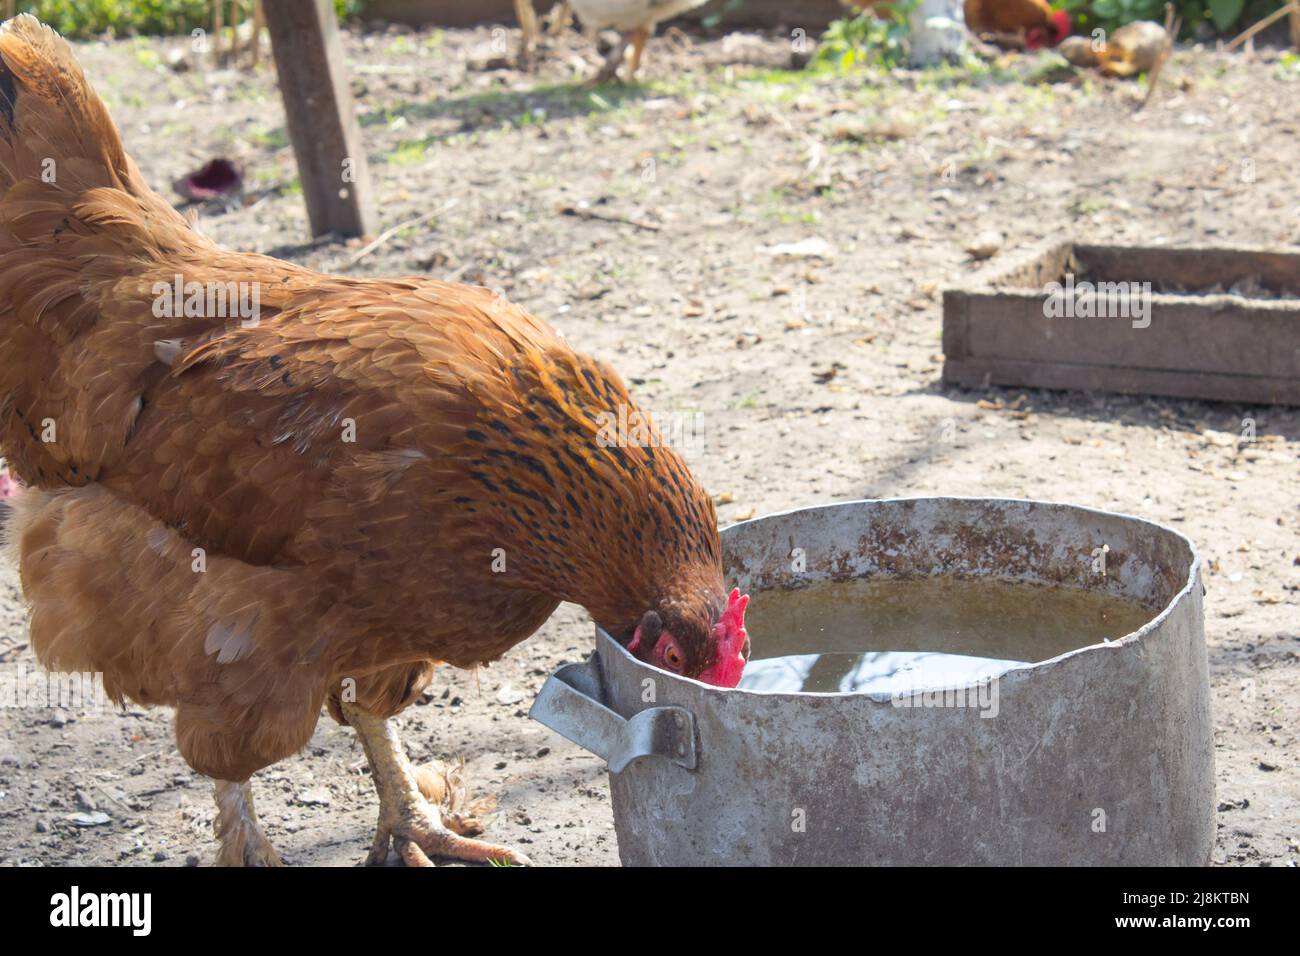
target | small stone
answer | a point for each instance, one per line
(509, 694)
(159, 856)
(96, 819)
(814, 247)
(42, 826)
(315, 797)
(986, 245)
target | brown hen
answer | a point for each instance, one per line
(255, 490)
(1033, 21)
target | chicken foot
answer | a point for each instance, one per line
(559, 19)
(239, 835)
(407, 821)
(613, 60)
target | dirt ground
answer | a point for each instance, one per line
(637, 220)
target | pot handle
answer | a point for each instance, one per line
(571, 704)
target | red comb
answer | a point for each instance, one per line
(729, 633)
(1061, 19)
(734, 615)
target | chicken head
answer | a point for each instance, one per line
(715, 655)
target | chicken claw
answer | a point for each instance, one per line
(444, 785)
(239, 835)
(417, 834)
(408, 822)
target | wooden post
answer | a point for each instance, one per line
(216, 33)
(257, 33)
(234, 33)
(322, 123)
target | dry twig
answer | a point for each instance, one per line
(1292, 8)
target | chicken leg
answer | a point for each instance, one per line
(239, 835)
(407, 821)
(639, 38)
(613, 60)
(528, 30)
(559, 18)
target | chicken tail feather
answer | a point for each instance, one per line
(83, 246)
(49, 114)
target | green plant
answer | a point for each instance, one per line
(878, 39)
(84, 18)
(1221, 16)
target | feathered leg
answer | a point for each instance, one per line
(408, 821)
(443, 785)
(242, 842)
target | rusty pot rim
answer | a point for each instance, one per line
(1127, 641)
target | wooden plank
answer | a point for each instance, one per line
(320, 115)
(1219, 347)
(1220, 334)
(956, 323)
(1211, 386)
(1192, 266)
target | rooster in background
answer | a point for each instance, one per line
(1032, 22)
(250, 514)
(635, 20)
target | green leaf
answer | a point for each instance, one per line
(1225, 12)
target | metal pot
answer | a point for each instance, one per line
(1103, 755)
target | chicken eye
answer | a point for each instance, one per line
(673, 657)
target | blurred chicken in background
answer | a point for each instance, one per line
(634, 19)
(558, 21)
(1133, 49)
(1032, 23)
